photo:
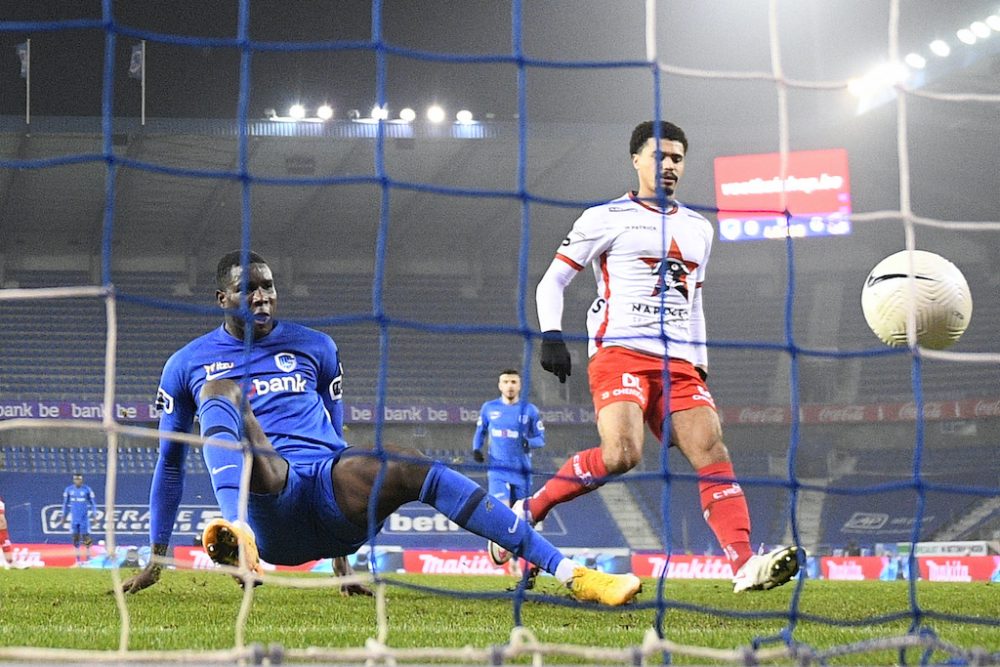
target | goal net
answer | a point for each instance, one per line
(823, 138)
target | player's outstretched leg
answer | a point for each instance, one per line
(765, 571)
(467, 504)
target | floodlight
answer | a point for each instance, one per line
(965, 36)
(980, 30)
(464, 116)
(940, 48)
(325, 112)
(407, 115)
(435, 114)
(379, 113)
(297, 111)
(915, 60)
(993, 21)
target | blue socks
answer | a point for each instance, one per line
(220, 419)
(467, 504)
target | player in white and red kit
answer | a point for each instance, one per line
(6, 547)
(649, 255)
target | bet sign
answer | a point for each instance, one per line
(752, 197)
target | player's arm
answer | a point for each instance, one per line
(479, 436)
(534, 437)
(331, 386)
(585, 241)
(699, 334)
(549, 304)
(65, 507)
(92, 503)
(177, 410)
(342, 568)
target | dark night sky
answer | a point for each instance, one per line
(820, 39)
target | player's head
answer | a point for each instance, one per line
(510, 384)
(78, 479)
(261, 297)
(665, 172)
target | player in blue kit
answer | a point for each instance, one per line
(77, 509)
(513, 428)
(278, 387)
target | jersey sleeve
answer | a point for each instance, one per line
(92, 501)
(177, 410)
(586, 240)
(65, 507)
(330, 381)
(482, 426)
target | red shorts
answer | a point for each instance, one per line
(618, 374)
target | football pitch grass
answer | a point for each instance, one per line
(74, 609)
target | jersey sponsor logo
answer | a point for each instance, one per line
(164, 401)
(494, 415)
(292, 384)
(285, 361)
(217, 369)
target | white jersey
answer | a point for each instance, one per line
(649, 267)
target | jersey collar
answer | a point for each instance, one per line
(634, 196)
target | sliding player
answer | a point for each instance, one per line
(311, 494)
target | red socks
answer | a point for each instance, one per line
(726, 511)
(576, 477)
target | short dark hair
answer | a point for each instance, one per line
(510, 371)
(645, 131)
(228, 261)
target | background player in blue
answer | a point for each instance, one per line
(278, 386)
(78, 508)
(512, 428)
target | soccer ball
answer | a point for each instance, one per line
(943, 302)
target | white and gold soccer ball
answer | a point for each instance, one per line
(943, 303)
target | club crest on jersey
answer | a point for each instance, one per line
(285, 361)
(672, 271)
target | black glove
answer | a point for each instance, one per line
(477, 455)
(555, 356)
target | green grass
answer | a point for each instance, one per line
(73, 609)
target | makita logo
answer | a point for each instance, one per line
(714, 568)
(431, 564)
(291, 384)
(847, 571)
(950, 570)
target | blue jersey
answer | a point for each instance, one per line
(513, 431)
(78, 501)
(292, 379)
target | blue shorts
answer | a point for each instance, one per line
(80, 528)
(507, 491)
(304, 522)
